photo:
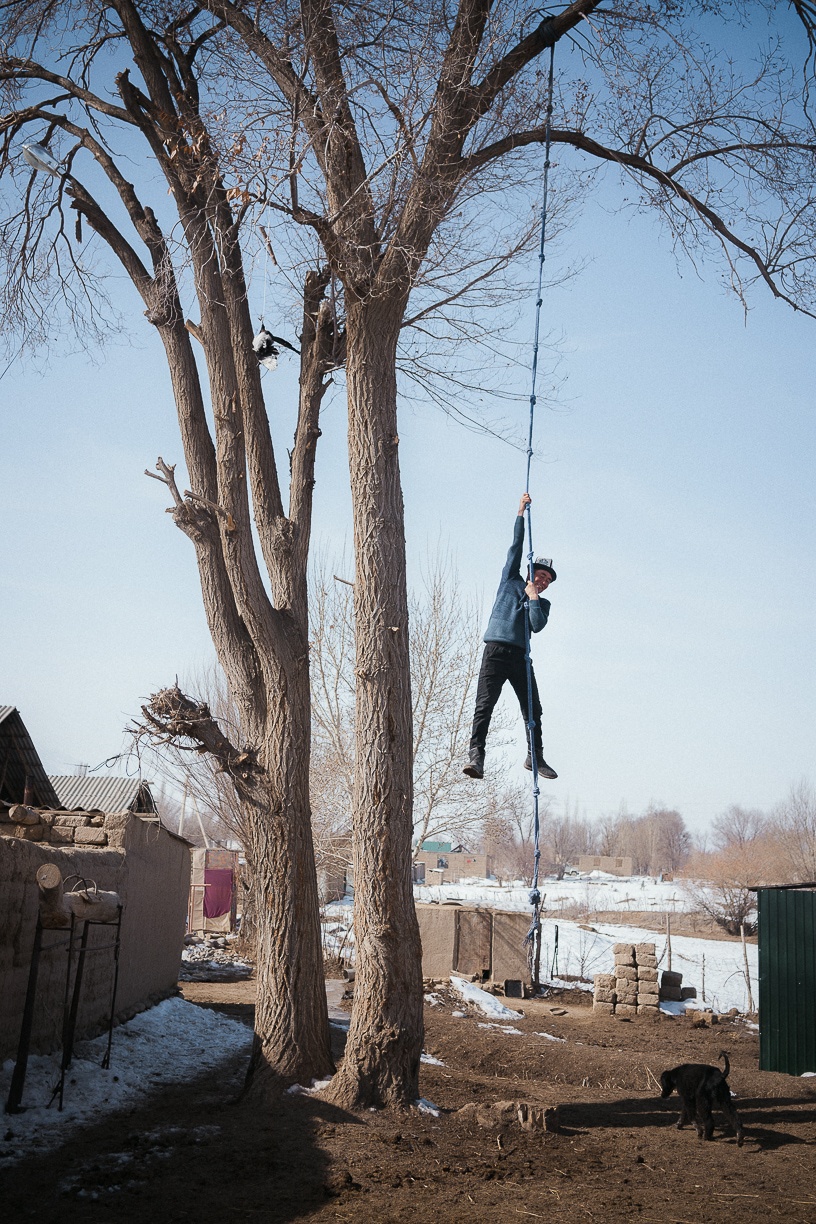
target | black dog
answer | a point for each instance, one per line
(700, 1089)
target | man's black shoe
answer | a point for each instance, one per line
(544, 770)
(475, 767)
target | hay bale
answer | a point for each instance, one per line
(668, 978)
(688, 992)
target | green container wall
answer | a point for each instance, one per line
(787, 980)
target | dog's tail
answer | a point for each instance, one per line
(727, 1066)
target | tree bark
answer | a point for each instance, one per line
(381, 1064)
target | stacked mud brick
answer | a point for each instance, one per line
(632, 988)
(58, 828)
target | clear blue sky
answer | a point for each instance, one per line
(674, 489)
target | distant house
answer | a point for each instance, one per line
(440, 862)
(622, 866)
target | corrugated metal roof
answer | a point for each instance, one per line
(19, 760)
(104, 794)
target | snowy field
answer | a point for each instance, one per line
(593, 892)
(171, 1044)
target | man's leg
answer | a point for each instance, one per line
(518, 679)
(492, 675)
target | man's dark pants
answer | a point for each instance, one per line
(501, 663)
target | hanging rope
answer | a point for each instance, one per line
(535, 894)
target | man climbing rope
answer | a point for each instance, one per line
(504, 653)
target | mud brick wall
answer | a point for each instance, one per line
(632, 987)
(148, 867)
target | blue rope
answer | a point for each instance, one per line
(535, 894)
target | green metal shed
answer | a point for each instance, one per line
(787, 978)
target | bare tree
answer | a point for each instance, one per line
(794, 828)
(384, 136)
(738, 826)
(445, 649)
(720, 884)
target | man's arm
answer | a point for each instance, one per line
(513, 564)
(539, 610)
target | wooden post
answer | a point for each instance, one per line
(668, 941)
(747, 970)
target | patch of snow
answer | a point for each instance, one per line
(433, 1062)
(806, 1074)
(486, 1003)
(427, 1107)
(458, 1015)
(552, 1037)
(434, 999)
(670, 1008)
(503, 1028)
(171, 1043)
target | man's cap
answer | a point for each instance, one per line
(545, 563)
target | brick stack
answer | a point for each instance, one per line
(632, 988)
(57, 828)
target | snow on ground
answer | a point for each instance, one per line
(486, 1003)
(172, 1043)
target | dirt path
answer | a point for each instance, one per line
(195, 1154)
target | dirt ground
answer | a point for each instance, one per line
(199, 1154)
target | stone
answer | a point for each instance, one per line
(605, 980)
(647, 962)
(644, 949)
(648, 1000)
(605, 1009)
(29, 832)
(71, 822)
(646, 975)
(90, 837)
(61, 837)
(625, 1009)
(604, 996)
(530, 1115)
(97, 821)
(622, 949)
(627, 973)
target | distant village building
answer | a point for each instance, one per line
(440, 862)
(622, 866)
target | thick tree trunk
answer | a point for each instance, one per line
(291, 1016)
(381, 1064)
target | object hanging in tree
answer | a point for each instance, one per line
(265, 347)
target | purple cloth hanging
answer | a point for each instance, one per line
(217, 893)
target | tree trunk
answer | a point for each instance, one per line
(291, 1014)
(381, 1064)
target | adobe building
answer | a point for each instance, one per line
(622, 866)
(438, 862)
(125, 851)
(484, 944)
